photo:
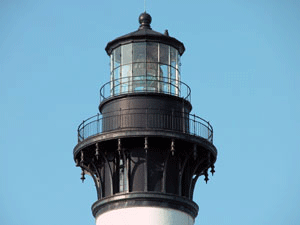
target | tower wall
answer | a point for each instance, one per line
(145, 216)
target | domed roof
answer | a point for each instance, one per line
(143, 34)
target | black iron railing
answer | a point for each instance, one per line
(146, 119)
(147, 84)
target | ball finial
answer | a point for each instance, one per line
(145, 20)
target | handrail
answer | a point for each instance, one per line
(163, 85)
(148, 120)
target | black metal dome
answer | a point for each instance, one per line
(144, 34)
(145, 20)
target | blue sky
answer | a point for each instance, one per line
(242, 62)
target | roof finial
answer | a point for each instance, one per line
(145, 21)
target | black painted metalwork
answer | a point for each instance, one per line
(144, 34)
(145, 119)
(145, 199)
(145, 148)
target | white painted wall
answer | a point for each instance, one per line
(144, 216)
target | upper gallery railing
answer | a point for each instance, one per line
(145, 84)
(147, 120)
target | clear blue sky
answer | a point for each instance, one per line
(242, 62)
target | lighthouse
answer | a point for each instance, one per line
(145, 150)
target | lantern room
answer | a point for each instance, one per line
(145, 61)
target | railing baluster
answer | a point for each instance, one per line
(209, 132)
(146, 118)
(97, 123)
(83, 130)
(172, 119)
(194, 124)
(120, 121)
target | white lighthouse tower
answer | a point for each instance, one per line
(145, 150)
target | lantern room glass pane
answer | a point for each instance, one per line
(173, 56)
(139, 77)
(163, 70)
(139, 52)
(152, 77)
(173, 81)
(111, 72)
(152, 52)
(178, 62)
(126, 54)
(116, 81)
(117, 57)
(139, 69)
(163, 53)
(164, 78)
(126, 71)
(111, 62)
(152, 69)
(126, 79)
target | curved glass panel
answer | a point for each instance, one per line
(153, 77)
(152, 52)
(117, 57)
(139, 77)
(126, 78)
(126, 54)
(139, 52)
(164, 53)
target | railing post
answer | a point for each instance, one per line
(102, 92)
(209, 132)
(83, 130)
(97, 123)
(184, 121)
(120, 119)
(194, 124)
(146, 118)
(172, 119)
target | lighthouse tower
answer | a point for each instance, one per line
(145, 150)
